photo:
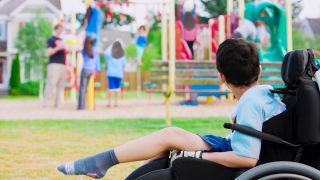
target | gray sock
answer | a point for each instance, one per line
(94, 166)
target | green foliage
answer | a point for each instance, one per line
(296, 8)
(214, 8)
(131, 51)
(30, 88)
(31, 42)
(15, 76)
(153, 50)
(302, 41)
(149, 55)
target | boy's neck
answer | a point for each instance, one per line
(239, 91)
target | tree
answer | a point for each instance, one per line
(296, 8)
(15, 76)
(214, 8)
(302, 41)
(31, 43)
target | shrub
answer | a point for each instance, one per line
(30, 88)
(131, 51)
(15, 76)
(149, 55)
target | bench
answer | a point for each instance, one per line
(201, 77)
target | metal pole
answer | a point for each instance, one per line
(241, 7)
(289, 25)
(172, 56)
(73, 90)
(222, 28)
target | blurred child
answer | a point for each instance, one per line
(91, 64)
(115, 70)
(93, 21)
(189, 30)
(141, 43)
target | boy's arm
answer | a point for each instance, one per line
(230, 159)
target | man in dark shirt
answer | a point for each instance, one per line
(56, 67)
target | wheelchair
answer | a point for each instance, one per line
(290, 146)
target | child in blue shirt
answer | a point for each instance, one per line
(115, 70)
(141, 43)
(239, 67)
(91, 64)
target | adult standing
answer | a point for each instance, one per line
(56, 67)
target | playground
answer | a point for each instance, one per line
(128, 74)
(130, 108)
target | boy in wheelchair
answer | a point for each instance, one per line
(239, 67)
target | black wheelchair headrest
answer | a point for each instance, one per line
(297, 72)
(295, 64)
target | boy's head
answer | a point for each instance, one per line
(142, 29)
(238, 62)
(117, 50)
(58, 29)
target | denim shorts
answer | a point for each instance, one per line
(114, 83)
(217, 144)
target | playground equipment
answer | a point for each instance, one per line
(276, 18)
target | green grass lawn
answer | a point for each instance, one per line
(33, 149)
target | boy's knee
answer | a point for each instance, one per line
(173, 132)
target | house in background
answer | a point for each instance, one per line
(309, 26)
(13, 13)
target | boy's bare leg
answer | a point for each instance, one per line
(116, 99)
(109, 98)
(143, 148)
(159, 142)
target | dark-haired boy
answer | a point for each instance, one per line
(239, 67)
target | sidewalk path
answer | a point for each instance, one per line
(131, 108)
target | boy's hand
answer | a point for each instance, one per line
(179, 154)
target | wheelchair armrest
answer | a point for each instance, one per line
(258, 134)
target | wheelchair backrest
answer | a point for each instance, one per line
(300, 123)
(297, 72)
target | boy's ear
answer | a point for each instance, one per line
(260, 70)
(222, 78)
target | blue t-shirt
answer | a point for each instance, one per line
(89, 63)
(115, 67)
(95, 22)
(141, 41)
(255, 106)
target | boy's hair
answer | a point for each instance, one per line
(58, 26)
(238, 60)
(117, 50)
(142, 28)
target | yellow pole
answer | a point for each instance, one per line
(73, 76)
(172, 56)
(241, 7)
(289, 24)
(164, 36)
(229, 6)
(91, 94)
(222, 29)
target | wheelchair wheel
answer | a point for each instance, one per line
(281, 170)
